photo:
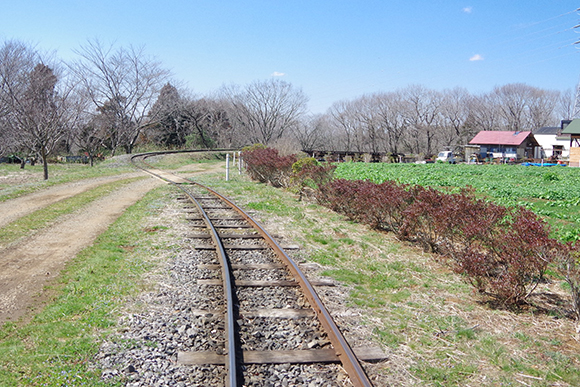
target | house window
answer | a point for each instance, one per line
(557, 150)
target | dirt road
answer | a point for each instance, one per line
(25, 268)
(13, 209)
(28, 266)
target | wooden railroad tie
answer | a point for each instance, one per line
(232, 246)
(262, 284)
(299, 356)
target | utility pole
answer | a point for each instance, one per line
(576, 112)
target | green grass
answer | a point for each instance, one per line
(55, 347)
(175, 161)
(419, 309)
(46, 216)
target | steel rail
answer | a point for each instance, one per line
(342, 349)
(228, 293)
(232, 347)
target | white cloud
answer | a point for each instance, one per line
(476, 57)
(278, 74)
(467, 9)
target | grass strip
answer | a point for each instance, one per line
(56, 347)
(47, 216)
(178, 160)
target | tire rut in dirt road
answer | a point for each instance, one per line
(13, 209)
(28, 266)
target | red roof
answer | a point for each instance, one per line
(497, 137)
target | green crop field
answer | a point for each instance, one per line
(553, 192)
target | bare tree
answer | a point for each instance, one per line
(311, 133)
(123, 84)
(524, 107)
(455, 112)
(343, 119)
(391, 108)
(424, 118)
(565, 106)
(264, 111)
(541, 108)
(17, 60)
(371, 130)
(187, 121)
(43, 117)
(210, 124)
(36, 101)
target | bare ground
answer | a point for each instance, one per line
(24, 205)
(28, 266)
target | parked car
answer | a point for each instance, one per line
(446, 157)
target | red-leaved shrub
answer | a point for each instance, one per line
(267, 166)
(503, 252)
(308, 173)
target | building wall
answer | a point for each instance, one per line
(547, 141)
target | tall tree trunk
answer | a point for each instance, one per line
(44, 164)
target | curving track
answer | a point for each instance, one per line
(251, 265)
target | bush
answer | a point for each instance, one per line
(569, 267)
(503, 252)
(309, 173)
(382, 205)
(267, 166)
(509, 260)
(341, 195)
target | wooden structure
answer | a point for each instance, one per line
(573, 129)
(367, 157)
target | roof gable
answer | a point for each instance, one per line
(572, 128)
(498, 137)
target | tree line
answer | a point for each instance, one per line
(111, 99)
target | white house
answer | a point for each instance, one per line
(553, 142)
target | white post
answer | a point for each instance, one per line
(239, 163)
(228, 167)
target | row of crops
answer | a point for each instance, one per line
(552, 192)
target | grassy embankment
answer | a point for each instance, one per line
(438, 331)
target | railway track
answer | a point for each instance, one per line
(265, 315)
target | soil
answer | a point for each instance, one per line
(24, 205)
(28, 266)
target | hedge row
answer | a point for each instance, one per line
(503, 252)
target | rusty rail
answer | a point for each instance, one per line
(343, 350)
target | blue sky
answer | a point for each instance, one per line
(332, 50)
